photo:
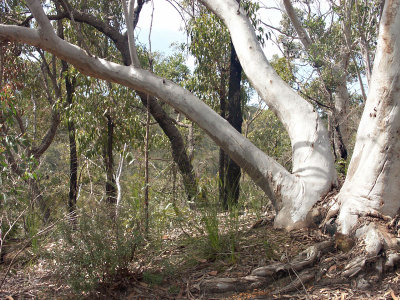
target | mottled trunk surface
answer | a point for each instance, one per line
(372, 182)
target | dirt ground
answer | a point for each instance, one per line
(177, 268)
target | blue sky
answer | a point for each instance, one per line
(167, 25)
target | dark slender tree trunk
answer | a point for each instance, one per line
(111, 192)
(146, 168)
(222, 156)
(232, 171)
(339, 146)
(73, 156)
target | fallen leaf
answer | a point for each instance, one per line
(332, 269)
(213, 273)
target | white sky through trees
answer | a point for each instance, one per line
(168, 29)
(168, 26)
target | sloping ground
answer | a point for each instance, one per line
(180, 264)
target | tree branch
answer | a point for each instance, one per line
(129, 15)
(303, 35)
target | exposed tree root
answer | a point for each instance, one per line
(362, 258)
(304, 259)
(264, 276)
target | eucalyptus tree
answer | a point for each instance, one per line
(336, 41)
(370, 191)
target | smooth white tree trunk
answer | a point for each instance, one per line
(313, 163)
(373, 180)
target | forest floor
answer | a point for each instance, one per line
(178, 266)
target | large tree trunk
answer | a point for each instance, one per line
(313, 170)
(340, 135)
(372, 182)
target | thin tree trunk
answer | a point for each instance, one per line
(73, 156)
(146, 169)
(222, 156)
(233, 172)
(111, 192)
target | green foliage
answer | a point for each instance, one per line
(284, 68)
(341, 167)
(153, 278)
(32, 226)
(268, 133)
(269, 249)
(219, 244)
(95, 251)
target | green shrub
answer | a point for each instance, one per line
(95, 251)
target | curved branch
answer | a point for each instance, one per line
(49, 136)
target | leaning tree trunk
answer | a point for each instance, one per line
(339, 129)
(372, 182)
(313, 173)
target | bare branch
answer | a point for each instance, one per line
(129, 14)
(303, 35)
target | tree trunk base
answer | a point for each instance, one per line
(362, 258)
